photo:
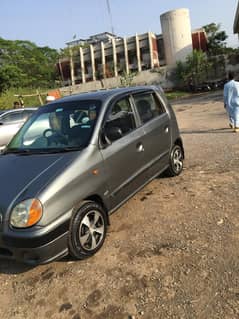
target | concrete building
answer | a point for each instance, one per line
(104, 59)
(106, 55)
(105, 37)
(176, 30)
(199, 39)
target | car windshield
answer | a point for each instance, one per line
(60, 127)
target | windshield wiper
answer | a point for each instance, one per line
(65, 149)
(16, 151)
(29, 151)
(25, 151)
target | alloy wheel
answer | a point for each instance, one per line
(91, 230)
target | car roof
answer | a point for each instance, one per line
(103, 94)
(9, 111)
(18, 110)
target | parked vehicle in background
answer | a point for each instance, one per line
(74, 162)
(11, 121)
(206, 86)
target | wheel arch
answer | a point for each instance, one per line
(96, 198)
(179, 142)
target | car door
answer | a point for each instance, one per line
(155, 122)
(124, 155)
(10, 123)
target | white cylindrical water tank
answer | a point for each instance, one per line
(177, 35)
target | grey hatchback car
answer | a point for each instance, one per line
(74, 162)
(11, 121)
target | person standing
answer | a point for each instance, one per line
(16, 105)
(231, 101)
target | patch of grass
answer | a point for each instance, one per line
(176, 94)
(7, 98)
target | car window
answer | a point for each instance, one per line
(11, 117)
(79, 117)
(121, 117)
(27, 114)
(66, 125)
(35, 130)
(148, 106)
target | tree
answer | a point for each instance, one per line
(24, 64)
(10, 76)
(194, 70)
(127, 79)
(216, 38)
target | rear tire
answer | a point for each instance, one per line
(88, 229)
(175, 161)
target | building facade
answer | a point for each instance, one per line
(176, 30)
(199, 40)
(104, 59)
(106, 55)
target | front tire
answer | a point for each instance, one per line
(175, 161)
(87, 230)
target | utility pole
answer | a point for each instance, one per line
(110, 15)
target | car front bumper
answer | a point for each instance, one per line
(34, 250)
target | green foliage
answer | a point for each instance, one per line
(216, 38)
(23, 64)
(7, 98)
(176, 94)
(194, 70)
(182, 72)
(127, 79)
(10, 75)
(218, 66)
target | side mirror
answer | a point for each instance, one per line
(113, 133)
(1, 123)
(2, 149)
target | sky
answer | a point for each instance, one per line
(53, 23)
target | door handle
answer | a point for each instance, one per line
(140, 147)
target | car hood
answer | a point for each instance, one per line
(23, 177)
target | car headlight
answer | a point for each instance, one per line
(26, 213)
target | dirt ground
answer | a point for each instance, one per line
(171, 251)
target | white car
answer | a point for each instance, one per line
(11, 121)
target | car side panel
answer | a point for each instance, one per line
(124, 165)
(156, 142)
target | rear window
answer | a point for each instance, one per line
(148, 106)
(12, 117)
